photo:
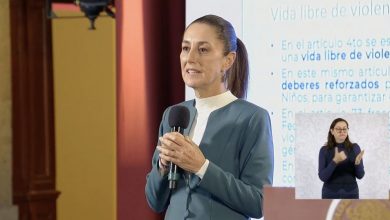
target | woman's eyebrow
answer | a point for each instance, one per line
(200, 42)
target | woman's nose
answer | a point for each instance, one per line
(192, 55)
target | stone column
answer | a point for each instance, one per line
(7, 209)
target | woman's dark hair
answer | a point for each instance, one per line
(237, 76)
(331, 140)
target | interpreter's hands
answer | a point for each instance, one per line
(181, 151)
(339, 156)
(359, 157)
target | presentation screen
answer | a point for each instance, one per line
(310, 57)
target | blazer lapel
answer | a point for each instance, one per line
(191, 107)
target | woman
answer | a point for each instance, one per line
(340, 163)
(227, 151)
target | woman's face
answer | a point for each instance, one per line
(340, 131)
(202, 59)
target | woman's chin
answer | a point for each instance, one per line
(191, 83)
(340, 140)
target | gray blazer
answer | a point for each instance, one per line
(238, 143)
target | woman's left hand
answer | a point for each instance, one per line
(181, 151)
(359, 157)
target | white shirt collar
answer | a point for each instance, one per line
(214, 102)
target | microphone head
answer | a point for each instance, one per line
(179, 116)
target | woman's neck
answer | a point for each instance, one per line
(200, 94)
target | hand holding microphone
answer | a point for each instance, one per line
(178, 119)
(180, 151)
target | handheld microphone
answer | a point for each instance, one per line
(179, 117)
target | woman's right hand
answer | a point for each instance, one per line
(339, 156)
(164, 165)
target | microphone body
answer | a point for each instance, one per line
(174, 170)
(179, 117)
